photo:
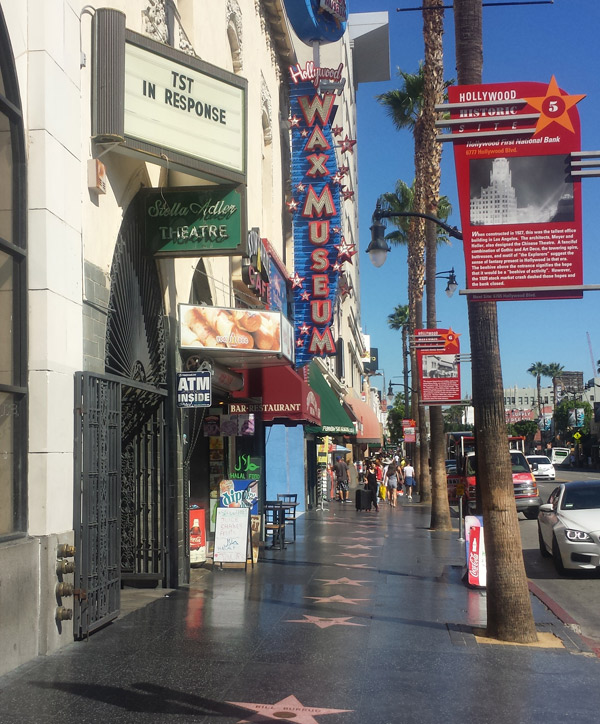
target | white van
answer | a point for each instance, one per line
(560, 455)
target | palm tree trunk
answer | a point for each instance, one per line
(509, 614)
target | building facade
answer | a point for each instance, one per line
(147, 244)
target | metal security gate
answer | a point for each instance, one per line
(120, 516)
(97, 501)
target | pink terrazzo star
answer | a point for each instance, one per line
(342, 581)
(353, 555)
(289, 709)
(359, 545)
(321, 622)
(355, 565)
(336, 599)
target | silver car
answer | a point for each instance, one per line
(569, 526)
(544, 470)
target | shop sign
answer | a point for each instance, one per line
(520, 209)
(320, 250)
(195, 221)
(322, 21)
(439, 366)
(256, 265)
(218, 328)
(188, 107)
(194, 389)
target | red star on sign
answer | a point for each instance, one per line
(292, 205)
(336, 229)
(347, 194)
(345, 250)
(299, 343)
(301, 188)
(553, 107)
(304, 133)
(337, 130)
(305, 296)
(304, 328)
(296, 280)
(337, 178)
(347, 145)
(336, 267)
(294, 121)
(343, 170)
(450, 339)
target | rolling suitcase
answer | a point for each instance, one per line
(363, 499)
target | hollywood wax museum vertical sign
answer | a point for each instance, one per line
(320, 250)
(520, 210)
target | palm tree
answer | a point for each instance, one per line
(538, 369)
(400, 319)
(509, 614)
(554, 371)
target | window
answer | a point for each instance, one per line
(13, 332)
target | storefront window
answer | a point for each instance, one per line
(13, 330)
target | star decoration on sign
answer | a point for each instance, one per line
(336, 229)
(304, 328)
(301, 188)
(304, 133)
(292, 205)
(321, 622)
(299, 342)
(336, 599)
(347, 145)
(337, 178)
(336, 267)
(304, 296)
(296, 280)
(343, 170)
(347, 194)
(294, 121)
(450, 340)
(346, 250)
(553, 107)
(288, 708)
(344, 287)
(337, 130)
(342, 581)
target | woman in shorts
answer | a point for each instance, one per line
(391, 480)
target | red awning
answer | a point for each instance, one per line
(277, 393)
(369, 428)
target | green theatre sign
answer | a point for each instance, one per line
(195, 221)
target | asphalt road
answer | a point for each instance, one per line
(578, 592)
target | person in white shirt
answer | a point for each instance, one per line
(409, 479)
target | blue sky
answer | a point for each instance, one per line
(520, 43)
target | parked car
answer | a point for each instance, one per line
(527, 497)
(569, 526)
(545, 469)
(450, 467)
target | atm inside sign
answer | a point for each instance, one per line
(193, 389)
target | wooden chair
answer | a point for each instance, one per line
(275, 522)
(290, 513)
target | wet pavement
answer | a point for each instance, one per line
(363, 619)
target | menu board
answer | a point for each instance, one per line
(232, 535)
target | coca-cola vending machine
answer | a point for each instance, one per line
(475, 544)
(197, 524)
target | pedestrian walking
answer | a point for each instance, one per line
(409, 479)
(341, 474)
(391, 481)
(372, 484)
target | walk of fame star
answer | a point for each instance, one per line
(321, 622)
(336, 599)
(355, 565)
(342, 581)
(353, 555)
(289, 709)
(359, 545)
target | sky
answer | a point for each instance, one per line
(520, 43)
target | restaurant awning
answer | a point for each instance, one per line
(369, 427)
(278, 394)
(334, 421)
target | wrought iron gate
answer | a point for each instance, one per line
(97, 519)
(120, 517)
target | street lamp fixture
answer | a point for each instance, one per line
(452, 285)
(379, 248)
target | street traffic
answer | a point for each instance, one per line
(577, 591)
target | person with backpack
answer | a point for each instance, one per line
(391, 482)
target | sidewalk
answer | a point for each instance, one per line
(363, 619)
